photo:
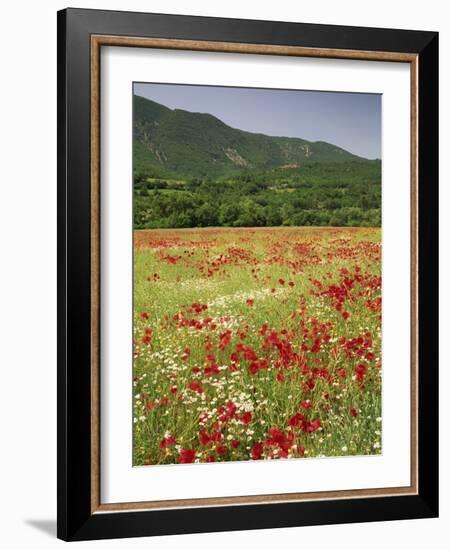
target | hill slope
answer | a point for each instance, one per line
(177, 143)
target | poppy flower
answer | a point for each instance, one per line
(296, 420)
(246, 417)
(167, 442)
(211, 369)
(204, 437)
(231, 409)
(312, 426)
(280, 377)
(257, 451)
(361, 369)
(196, 386)
(186, 456)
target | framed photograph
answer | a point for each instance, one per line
(247, 252)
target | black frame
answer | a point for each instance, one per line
(75, 521)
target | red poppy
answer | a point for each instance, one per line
(186, 456)
(280, 376)
(249, 354)
(196, 386)
(296, 421)
(253, 367)
(278, 438)
(360, 370)
(167, 442)
(231, 409)
(312, 426)
(211, 369)
(225, 339)
(257, 451)
(203, 437)
(276, 435)
(246, 417)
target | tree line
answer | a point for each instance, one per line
(319, 195)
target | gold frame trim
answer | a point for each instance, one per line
(97, 41)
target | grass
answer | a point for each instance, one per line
(256, 344)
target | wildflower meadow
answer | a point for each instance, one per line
(256, 343)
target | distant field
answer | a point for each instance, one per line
(256, 343)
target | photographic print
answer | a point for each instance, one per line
(257, 274)
(247, 274)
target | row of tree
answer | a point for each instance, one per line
(169, 211)
(346, 194)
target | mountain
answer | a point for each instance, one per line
(179, 144)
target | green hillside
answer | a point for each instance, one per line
(180, 143)
(192, 170)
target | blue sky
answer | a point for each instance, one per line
(351, 121)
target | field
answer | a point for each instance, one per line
(257, 343)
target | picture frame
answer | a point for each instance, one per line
(81, 36)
